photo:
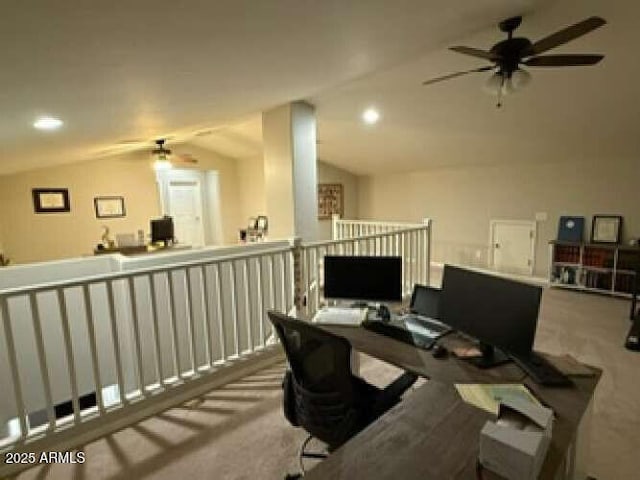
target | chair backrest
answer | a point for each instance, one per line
(320, 361)
(323, 387)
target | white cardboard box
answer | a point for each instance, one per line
(515, 445)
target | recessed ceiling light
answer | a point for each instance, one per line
(370, 116)
(47, 123)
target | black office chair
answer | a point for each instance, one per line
(321, 394)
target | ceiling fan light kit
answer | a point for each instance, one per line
(161, 155)
(509, 55)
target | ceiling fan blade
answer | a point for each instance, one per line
(454, 75)
(565, 35)
(476, 52)
(563, 60)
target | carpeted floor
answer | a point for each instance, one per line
(239, 432)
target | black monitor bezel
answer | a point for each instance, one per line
(395, 297)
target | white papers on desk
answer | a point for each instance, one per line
(341, 316)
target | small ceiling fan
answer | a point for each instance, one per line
(164, 159)
(508, 55)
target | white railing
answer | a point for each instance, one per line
(87, 356)
(409, 241)
(100, 344)
(342, 229)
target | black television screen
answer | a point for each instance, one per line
(496, 311)
(363, 278)
(162, 230)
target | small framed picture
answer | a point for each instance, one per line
(330, 200)
(51, 200)
(109, 207)
(606, 229)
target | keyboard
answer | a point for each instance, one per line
(541, 371)
(340, 316)
(434, 327)
(400, 332)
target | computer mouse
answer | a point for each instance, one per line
(439, 352)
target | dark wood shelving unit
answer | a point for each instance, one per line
(594, 267)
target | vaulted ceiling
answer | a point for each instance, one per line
(121, 75)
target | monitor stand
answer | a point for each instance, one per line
(491, 357)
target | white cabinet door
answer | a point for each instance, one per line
(513, 246)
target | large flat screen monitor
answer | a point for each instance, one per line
(363, 278)
(498, 312)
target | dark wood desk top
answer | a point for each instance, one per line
(421, 362)
(433, 434)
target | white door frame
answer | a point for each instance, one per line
(165, 177)
(530, 223)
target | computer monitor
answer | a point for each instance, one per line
(162, 230)
(425, 301)
(501, 314)
(376, 279)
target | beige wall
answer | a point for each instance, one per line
(230, 194)
(330, 174)
(251, 188)
(252, 191)
(29, 237)
(462, 201)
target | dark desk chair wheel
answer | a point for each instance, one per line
(321, 394)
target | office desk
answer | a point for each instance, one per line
(433, 434)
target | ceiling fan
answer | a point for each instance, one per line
(164, 159)
(508, 55)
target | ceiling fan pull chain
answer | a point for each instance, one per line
(500, 90)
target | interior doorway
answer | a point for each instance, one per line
(513, 246)
(191, 197)
(185, 206)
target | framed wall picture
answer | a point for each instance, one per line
(51, 200)
(109, 207)
(606, 229)
(330, 200)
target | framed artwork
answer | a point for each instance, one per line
(109, 207)
(51, 200)
(570, 229)
(606, 229)
(330, 200)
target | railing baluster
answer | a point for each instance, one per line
(405, 266)
(234, 307)
(175, 341)
(206, 319)
(304, 264)
(88, 311)
(68, 348)
(190, 320)
(247, 303)
(42, 359)
(316, 274)
(414, 263)
(220, 313)
(136, 338)
(272, 282)
(156, 330)
(283, 285)
(13, 366)
(260, 292)
(116, 343)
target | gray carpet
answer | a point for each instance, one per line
(239, 432)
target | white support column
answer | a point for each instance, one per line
(290, 170)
